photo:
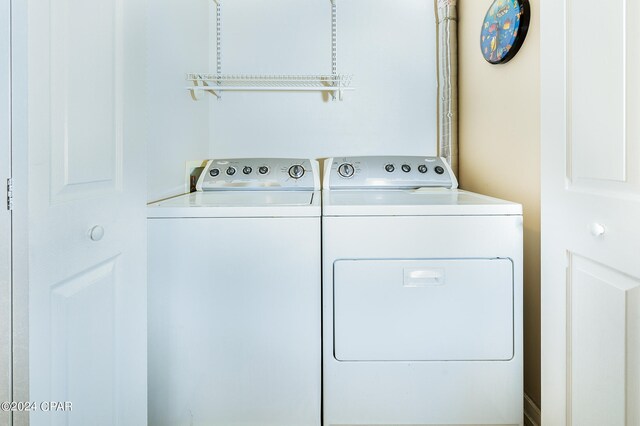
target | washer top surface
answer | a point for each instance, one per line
(401, 186)
(238, 204)
(271, 187)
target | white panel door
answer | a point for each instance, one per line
(590, 212)
(87, 230)
(5, 214)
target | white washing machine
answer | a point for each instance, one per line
(234, 298)
(422, 297)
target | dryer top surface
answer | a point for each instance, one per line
(414, 202)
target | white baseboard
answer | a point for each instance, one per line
(531, 412)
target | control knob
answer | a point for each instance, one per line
(422, 168)
(439, 170)
(231, 171)
(247, 170)
(389, 167)
(263, 170)
(406, 168)
(296, 171)
(214, 172)
(346, 170)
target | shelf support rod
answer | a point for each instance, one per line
(334, 45)
(218, 40)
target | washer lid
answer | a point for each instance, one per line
(238, 204)
(414, 202)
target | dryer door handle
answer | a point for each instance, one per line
(420, 277)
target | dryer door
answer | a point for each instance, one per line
(423, 310)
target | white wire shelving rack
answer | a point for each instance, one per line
(215, 83)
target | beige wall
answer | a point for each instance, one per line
(500, 148)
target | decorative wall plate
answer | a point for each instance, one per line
(504, 30)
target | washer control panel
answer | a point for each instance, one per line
(259, 174)
(393, 172)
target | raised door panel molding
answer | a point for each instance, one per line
(603, 307)
(83, 342)
(86, 98)
(603, 72)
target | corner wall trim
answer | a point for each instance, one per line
(531, 412)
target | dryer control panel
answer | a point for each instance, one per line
(259, 174)
(392, 172)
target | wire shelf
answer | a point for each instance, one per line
(246, 82)
(335, 84)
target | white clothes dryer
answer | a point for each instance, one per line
(422, 297)
(234, 298)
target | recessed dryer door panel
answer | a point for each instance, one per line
(423, 310)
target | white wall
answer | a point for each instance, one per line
(178, 128)
(390, 47)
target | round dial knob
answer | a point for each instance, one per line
(214, 172)
(389, 168)
(439, 170)
(231, 171)
(346, 170)
(422, 168)
(247, 170)
(263, 170)
(406, 168)
(296, 171)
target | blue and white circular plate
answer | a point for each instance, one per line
(504, 30)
